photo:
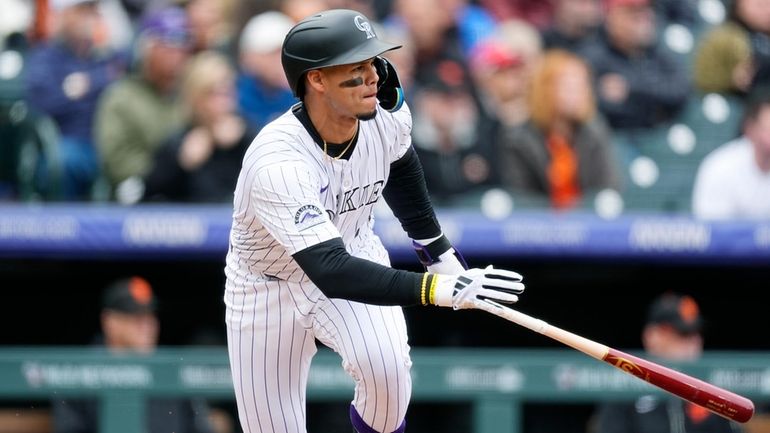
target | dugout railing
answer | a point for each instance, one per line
(495, 382)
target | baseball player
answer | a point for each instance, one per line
(304, 262)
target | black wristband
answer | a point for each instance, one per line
(428, 254)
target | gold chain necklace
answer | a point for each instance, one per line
(343, 150)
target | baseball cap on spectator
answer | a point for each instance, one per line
(681, 312)
(494, 55)
(265, 32)
(131, 296)
(168, 25)
(443, 76)
(58, 5)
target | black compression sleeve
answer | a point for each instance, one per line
(407, 195)
(340, 275)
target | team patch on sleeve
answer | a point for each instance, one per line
(308, 216)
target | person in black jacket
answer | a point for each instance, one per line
(200, 162)
(638, 83)
(673, 332)
(129, 324)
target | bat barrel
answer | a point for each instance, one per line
(718, 400)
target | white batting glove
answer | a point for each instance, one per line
(463, 290)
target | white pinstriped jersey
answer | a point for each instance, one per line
(291, 196)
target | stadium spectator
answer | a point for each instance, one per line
(501, 69)
(539, 13)
(730, 55)
(212, 25)
(672, 332)
(574, 22)
(733, 181)
(502, 79)
(433, 30)
(439, 28)
(563, 153)
(137, 113)
(129, 325)
(65, 77)
(444, 132)
(474, 23)
(638, 83)
(200, 163)
(263, 92)
(525, 40)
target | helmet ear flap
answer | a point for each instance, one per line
(389, 91)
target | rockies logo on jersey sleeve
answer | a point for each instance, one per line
(308, 216)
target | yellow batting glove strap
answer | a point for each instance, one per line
(432, 291)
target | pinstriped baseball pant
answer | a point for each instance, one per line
(272, 327)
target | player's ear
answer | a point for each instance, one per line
(314, 79)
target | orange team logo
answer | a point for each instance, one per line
(140, 290)
(688, 309)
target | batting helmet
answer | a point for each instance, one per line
(329, 38)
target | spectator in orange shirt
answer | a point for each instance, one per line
(563, 152)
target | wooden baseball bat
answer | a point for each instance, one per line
(718, 400)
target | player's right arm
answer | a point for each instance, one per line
(406, 193)
(407, 196)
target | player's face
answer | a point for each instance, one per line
(352, 89)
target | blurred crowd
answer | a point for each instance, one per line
(606, 105)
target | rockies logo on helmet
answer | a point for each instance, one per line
(364, 26)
